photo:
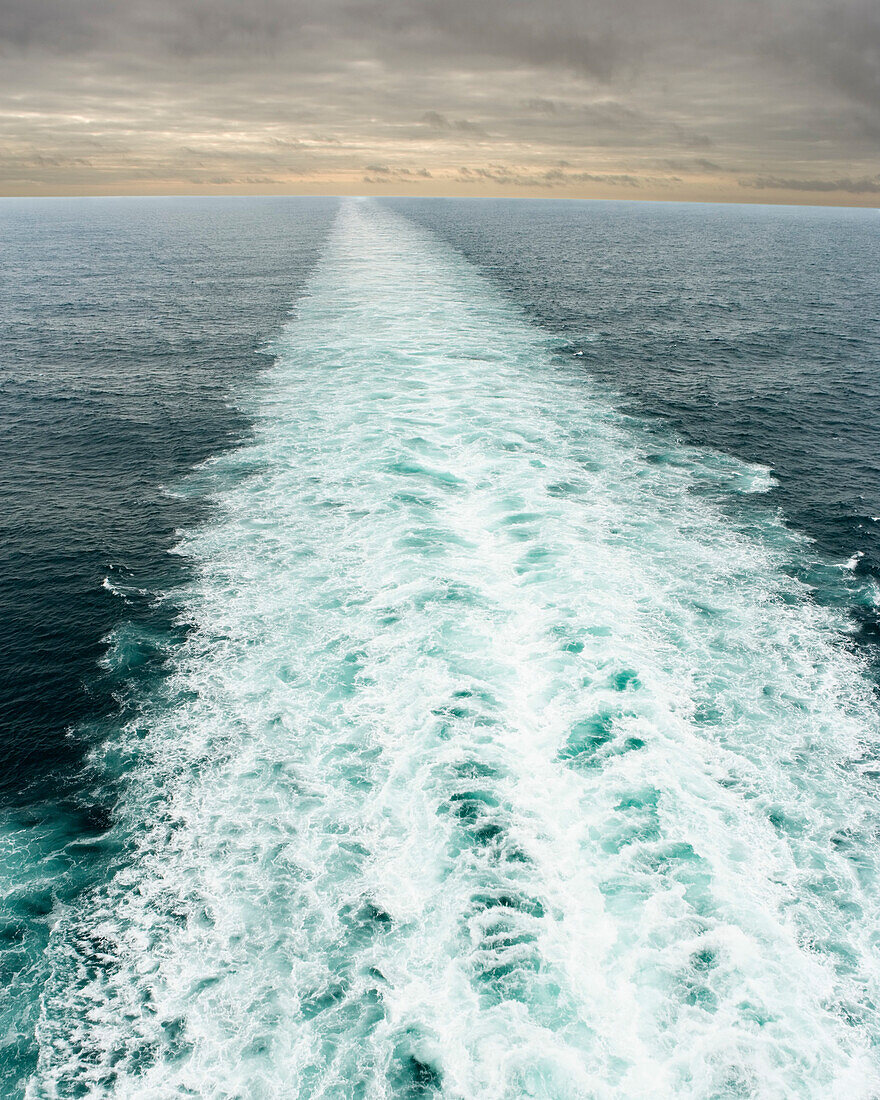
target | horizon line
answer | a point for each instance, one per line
(820, 205)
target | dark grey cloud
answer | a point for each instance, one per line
(265, 91)
(819, 186)
(694, 164)
(438, 121)
(840, 47)
(540, 106)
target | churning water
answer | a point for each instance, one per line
(502, 749)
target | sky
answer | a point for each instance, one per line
(728, 100)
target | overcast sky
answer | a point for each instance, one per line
(750, 100)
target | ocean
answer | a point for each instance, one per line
(440, 649)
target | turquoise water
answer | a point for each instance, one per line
(499, 750)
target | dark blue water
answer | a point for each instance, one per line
(123, 325)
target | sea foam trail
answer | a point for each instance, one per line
(498, 762)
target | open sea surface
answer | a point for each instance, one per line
(439, 650)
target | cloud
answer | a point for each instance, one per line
(507, 175)
(820, 186)
(840, 46)
(695, 164)
(274, 90)
(541, 106)
(386, 172)
(457, 125)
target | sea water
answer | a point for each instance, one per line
(499, 744)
